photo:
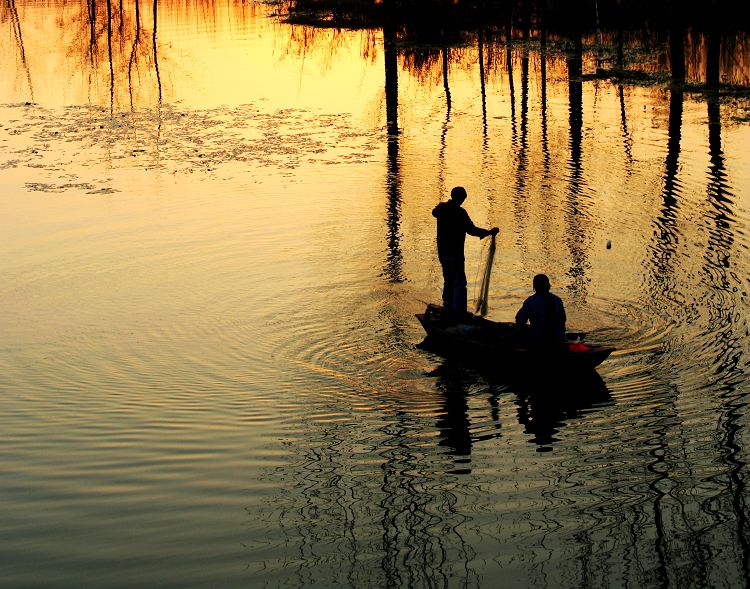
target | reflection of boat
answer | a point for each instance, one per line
(545, 409)
(502, 345)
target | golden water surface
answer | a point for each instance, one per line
(215, 231)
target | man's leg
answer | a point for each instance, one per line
(454, 284)
(459, 288)
(448, 278)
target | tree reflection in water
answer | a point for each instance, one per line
(360, 515)
(115, 39)
(577, 218)
(671, 507)
(394, 264)
(115, 43)
(729, 326)
(412, 486)
(110, 40)
(10, 11)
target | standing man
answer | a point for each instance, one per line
(453, 223)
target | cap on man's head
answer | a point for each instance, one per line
(541, 283)
(458, 193)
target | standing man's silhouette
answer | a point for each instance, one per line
(453, 223)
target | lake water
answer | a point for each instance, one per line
(212, 255)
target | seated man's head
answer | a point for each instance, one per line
(541, 283)
(458, 194)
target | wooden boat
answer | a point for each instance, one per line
(503, 345)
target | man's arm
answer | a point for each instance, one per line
(472, 229)
(523, 314)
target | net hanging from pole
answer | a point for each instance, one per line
(484, 289)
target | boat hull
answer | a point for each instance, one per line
(498, 345)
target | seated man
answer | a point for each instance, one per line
(546, 314)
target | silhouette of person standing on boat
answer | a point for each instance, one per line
(453, 224)
(546, 314)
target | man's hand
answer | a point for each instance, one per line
(494, 231)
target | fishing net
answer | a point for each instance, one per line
(484, 288)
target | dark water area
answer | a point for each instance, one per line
(554, 15)
(215, 231)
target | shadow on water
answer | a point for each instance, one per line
(454, 423)
(387, 507)
(544, 407)
(544, 403)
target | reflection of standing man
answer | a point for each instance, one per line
(453, 223)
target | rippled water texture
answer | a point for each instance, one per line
(211, 259)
